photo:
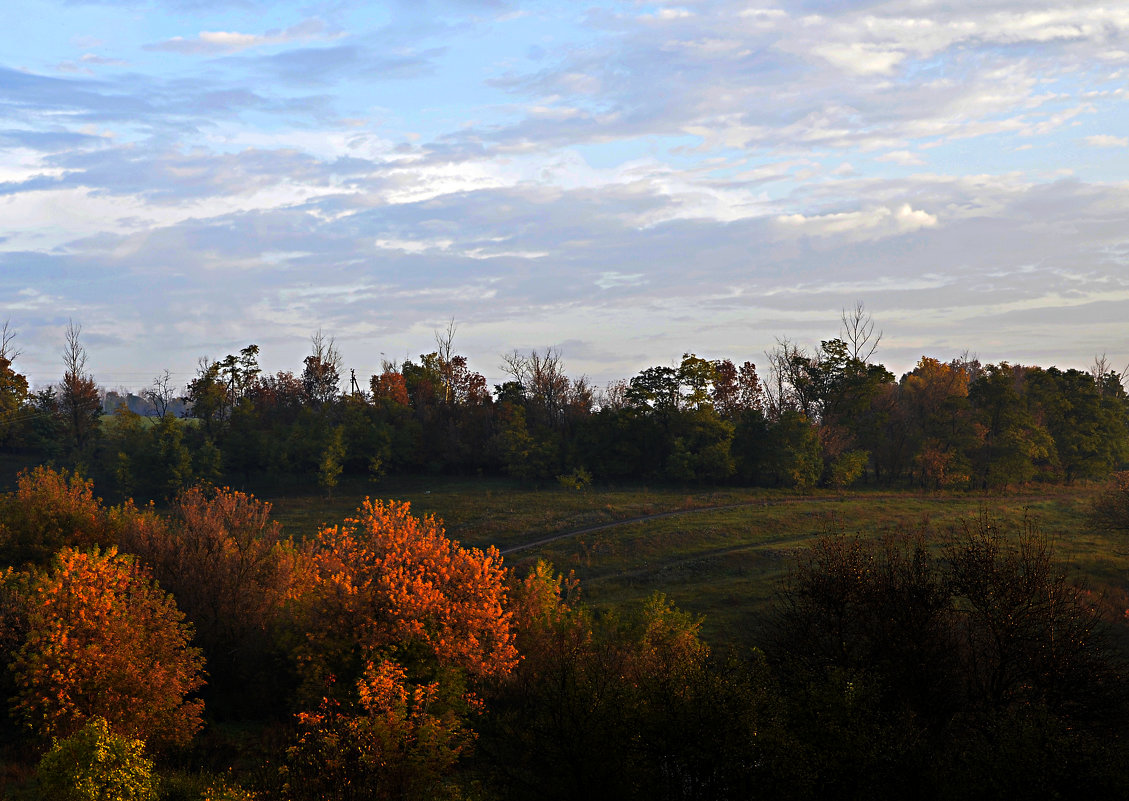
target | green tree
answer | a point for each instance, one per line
(1014, 445)
(332, 459)
(14, 397)
(1085, 417)
(793, 454)
(95, 764)
(207, 396)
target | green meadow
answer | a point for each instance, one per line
(721, 563)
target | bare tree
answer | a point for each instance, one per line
(322, 371)
(969, 364)
(160, 394)
(544, 383)
(444, 349)
(613, 396)
(74, 354)
(8, 352)
(1104, 376)
(444, 341)
(858, 332)
(789, 386)
(79, 398)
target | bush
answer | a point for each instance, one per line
(224, 560)
(578, 479)
(103, 640)
(48, 511)
(979, 671)
(1110, 510)
(94, 764)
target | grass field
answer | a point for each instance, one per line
(724, 564)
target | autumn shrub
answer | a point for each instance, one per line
(47, 511)
(389, 584)
(103, 640)
(1110, 509)
(224, 561)
(397, 741)
(630, 707)
(401, 626)
(95, 764)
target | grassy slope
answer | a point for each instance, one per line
(723, 564)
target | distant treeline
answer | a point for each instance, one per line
(832, 416)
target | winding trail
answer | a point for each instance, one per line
(627, 521)
(525, 546)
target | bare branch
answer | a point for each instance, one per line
(7, 351)
(858, 332)
(160, 394)
(444, 341)
(74, 354)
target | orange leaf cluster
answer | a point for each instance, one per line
(47, 511)
(104, 640)
(390, 583)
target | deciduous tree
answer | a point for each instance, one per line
(14, 393)
(79, 401)
(391, 585)
(224, 561)
(321, 373)
(47, 511)
(104, 640)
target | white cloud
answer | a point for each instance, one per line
(609, 280)
(861, 58)
(902, 157)
(671, 13)
(1107, 140)
(223, 42)
(865, 224)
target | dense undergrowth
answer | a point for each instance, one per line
(869, 645)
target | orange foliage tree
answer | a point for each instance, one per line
(399, 744)
(224, 560)
(102, 639)
(391, 585)
(404, 621)
(47, 511)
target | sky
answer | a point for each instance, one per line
(622, 181)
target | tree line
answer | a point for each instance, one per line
(829, 416)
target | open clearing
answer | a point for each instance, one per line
(723, 563)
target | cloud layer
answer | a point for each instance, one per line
(627, 180)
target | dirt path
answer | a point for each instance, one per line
(644, 518)
(627, 521)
